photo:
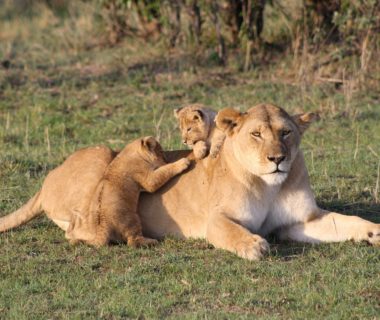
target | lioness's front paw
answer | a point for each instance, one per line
(252, 248)
(373, 236)
(200, 150)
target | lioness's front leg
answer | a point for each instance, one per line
(333, 227)
(226, 234)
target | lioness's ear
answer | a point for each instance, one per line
(228, 119)
(177, 112)
(149, 143)
(304, 120)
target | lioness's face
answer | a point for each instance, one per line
(265, 140)
(267, 143)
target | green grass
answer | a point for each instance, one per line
(57, 97)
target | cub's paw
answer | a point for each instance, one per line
(373, 235)
(183, 164)
(200, 150)
(252, 248)
(139, 242)
(98, 242)
(214, 151)
(74, 242)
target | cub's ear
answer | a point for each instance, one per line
(177, 112)
(228, 119)
(198, 115)
(304, 120)
(149, 143)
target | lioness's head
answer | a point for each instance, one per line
(195, 122)
(151, 151)
(265, 139)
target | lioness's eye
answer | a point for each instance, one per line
(188, 129)
(256, 134)
(285, 133)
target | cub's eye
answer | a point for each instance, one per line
(256, 134)
(285, 133)
(188, 129)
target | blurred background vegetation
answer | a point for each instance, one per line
(321, 40)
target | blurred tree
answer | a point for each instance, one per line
(320, 19)
(194, 12)
(252, 26)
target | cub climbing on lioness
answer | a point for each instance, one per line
(140, 166)
(198, 130)
(100, 191)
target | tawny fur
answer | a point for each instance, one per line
(238, 198)
(233, 200)
(107, 206)
(140, 166)
(67, 191)
(198, 130)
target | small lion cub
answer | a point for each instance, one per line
(140, 166)
(198, 130)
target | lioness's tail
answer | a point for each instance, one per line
(27, 212)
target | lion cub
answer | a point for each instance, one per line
(140, 166)
(198, 130)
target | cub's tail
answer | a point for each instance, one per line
(27, 212)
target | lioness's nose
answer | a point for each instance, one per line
(276, 159)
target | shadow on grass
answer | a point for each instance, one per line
(287, 251)
(81, 80)
(368, 211)
(368, 115)
(185, 63)
(172, 64)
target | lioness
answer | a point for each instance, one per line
(198, 130)
(258, 184)
(100, 191)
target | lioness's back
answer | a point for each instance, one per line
(178, 208)
(72, 183)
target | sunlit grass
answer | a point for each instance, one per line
(57, 97)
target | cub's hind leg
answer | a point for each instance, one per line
(131, 231)
(119, 214)
(103, 236)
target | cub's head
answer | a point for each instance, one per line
(151, 151)
(265, 139)
(195, 122)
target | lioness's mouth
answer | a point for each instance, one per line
(278, 171)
